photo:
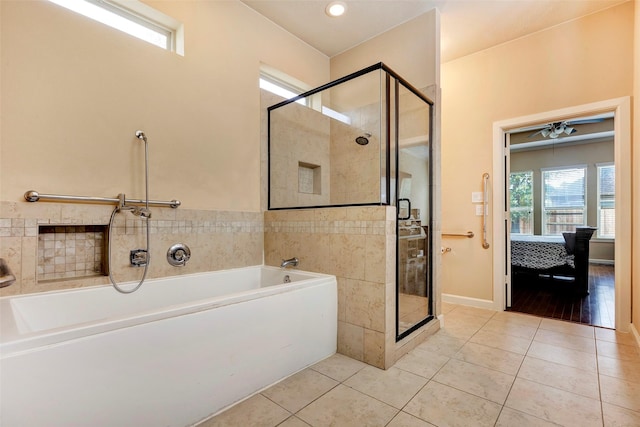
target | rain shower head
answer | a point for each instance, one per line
(141, 136)
(363, 139)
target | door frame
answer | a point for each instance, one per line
(621, 108)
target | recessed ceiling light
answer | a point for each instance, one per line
(336, 8)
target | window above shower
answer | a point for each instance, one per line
(287, 87)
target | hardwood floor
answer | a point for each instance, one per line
(554, 298)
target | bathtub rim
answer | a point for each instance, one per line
(20, 343)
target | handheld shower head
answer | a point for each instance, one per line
(141, 136)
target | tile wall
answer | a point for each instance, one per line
(355, 169)
(70, 251)
(357, 245)
(217, 239)
(302, 136)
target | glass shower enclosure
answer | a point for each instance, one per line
(363, 140)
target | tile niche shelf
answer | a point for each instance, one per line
(71, 251)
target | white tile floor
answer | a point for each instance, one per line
(483, 368)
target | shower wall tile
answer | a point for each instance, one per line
(300, 138)
(374, 348)
(43, 262)
(350, 243)
(351, 340)
(365, 304)
(357, 245)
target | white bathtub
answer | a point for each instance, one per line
(170, 354)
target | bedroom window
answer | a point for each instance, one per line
(606, 201)
(521, 202)
(563, 199)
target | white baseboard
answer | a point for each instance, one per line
(601, 261)
(472, 302)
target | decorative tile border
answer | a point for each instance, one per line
(331, 227)
(20, 227)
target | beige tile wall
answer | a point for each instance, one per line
(355, 169)
(357, 245)
(300, 135)
(217, 239)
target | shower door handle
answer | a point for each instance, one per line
(408, 209)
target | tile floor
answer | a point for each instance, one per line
(484, 368)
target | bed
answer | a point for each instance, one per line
(565, 256)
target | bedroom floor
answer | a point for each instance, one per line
(483, 368)
(547, 298)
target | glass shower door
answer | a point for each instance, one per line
(413, 190)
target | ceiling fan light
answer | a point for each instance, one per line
(545, 132)
(569, 130)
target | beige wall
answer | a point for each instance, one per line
(636, 177)
(573, 155)
(74, 92)
(408, 49)
(511, 80)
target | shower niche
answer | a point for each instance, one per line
(363, 140)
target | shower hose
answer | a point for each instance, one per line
(146, 214)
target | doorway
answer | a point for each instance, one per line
(503, 275)
(561, 178)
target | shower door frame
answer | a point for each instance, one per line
(429, 238)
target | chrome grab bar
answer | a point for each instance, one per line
(34, 196)
(485, 205)
(468, 234)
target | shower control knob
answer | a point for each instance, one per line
(178, 255)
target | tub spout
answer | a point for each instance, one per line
(293, 262)
(6, 276)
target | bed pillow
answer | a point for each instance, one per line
(569, 242)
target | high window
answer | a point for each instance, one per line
(279, 84)
(279, 87)
(521, 199)
(132, 17)
(563, 199)
(606, 201)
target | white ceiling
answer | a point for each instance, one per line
(467, 25)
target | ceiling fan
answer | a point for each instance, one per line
(557, 129)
